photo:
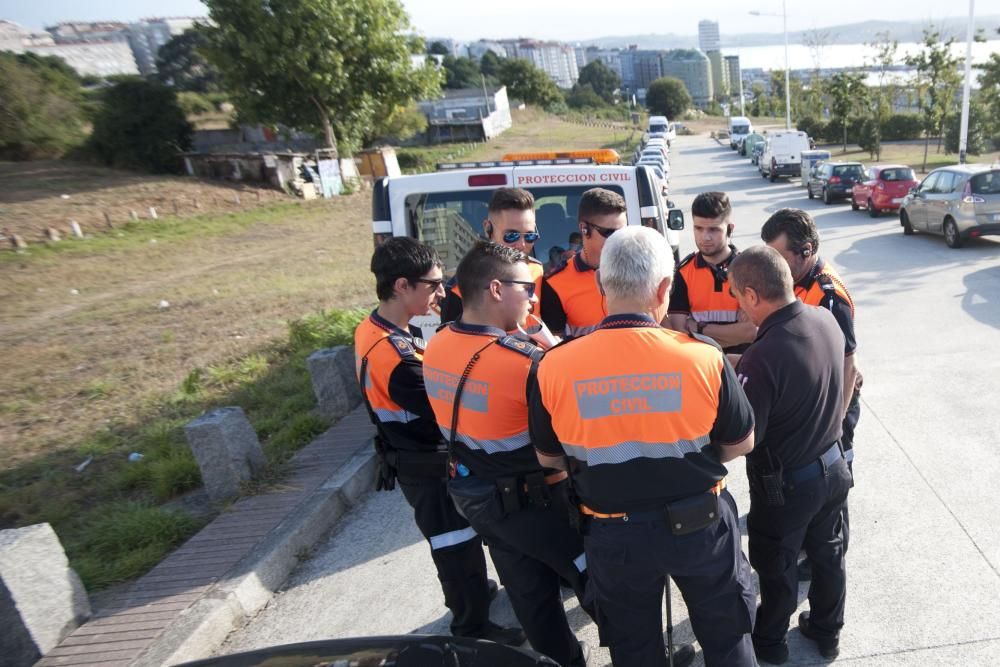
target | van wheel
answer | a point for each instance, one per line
(826, 197)
(872, 211)
(951, 235)
(904, 220)
(809, 191)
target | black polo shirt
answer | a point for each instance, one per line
(793, 374)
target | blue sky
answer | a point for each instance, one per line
(551, 19)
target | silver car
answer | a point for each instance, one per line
(961, 202)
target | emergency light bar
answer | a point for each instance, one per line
(451, 166)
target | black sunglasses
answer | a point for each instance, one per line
(603, 231)
(529, 286)
(512, 237)
(435, 284)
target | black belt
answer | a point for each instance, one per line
(816, 468)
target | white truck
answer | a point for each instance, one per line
(446, 209)
(739, 128)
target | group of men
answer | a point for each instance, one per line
(597, 463)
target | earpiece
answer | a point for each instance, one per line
(806, 252)
(489, 229)
(729, 230)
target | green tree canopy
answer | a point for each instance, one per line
(849, 96)
(937, 80)
(461, 73)
(489, 64)
(181, 64)
(527, 83)
(40, 107)
(668, 96)
(141, 126)
(602, 80)
(438, 49)
(330, 67)
(583, 96)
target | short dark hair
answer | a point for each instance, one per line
(485, 262)
(511, 199)
(712, 205)
(401, 257)
(763, 269)
(575, 237)
(598, 201)
(797, 226)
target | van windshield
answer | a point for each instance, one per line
(653, 129)
(741, 129)
(452, 222)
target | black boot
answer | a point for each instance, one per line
(829, 647)
(683, 655)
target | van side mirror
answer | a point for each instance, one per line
(675, 219)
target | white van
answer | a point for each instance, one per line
(739, 128)
(782, 154)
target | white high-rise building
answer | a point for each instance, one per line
(556, 59)
(708, 36)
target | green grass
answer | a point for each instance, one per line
(108, 516)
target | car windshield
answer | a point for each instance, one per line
(849, 171)
(899, 174)
(657, 128)
(986, 184)
(741, 129)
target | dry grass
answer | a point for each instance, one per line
(32, 197)
(78, 363)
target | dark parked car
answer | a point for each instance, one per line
(831, 181)
(883, 189)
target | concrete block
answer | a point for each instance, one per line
(334, 382)
(41, 598)
(227, 450)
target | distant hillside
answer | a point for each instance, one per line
(852, 33)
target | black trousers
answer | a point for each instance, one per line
(812, 517)
(629, 563)
(457, 552)
(532, 548)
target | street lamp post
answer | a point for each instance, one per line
(963, 135)
(788, 91)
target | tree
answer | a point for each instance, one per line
(438, 49)
(989, 86)
(601, 79)
(329, 67)
(884, 94)
(40, 107)
(978, 139)
(461, 73)
(937, 83)
(848, 93)
(141, 126)
(668, 97)
(181, 64)
(583, 96)
(403, 123)
(490, 64)
(527, 83)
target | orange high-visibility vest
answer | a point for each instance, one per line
(575, 283)
(708, 294)
(822, 283)
(633, 406)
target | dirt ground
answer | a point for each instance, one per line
(50, 193)
(87, 341)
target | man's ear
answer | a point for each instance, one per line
(400, 286)
(597, 277)
(494, 290)
(663, 291)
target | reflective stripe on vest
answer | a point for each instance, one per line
(382, 360)
(580, 296)
(489, 446)
(629, 450)
(706, 303)
(715, 316)
(394, 415)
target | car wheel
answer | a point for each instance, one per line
(809, 190)
(951, 235)
(854, 204)
(826, 197)
(872, 211)
(904, 220)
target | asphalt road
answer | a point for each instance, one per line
(924, 564)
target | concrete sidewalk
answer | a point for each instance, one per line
(184, 607)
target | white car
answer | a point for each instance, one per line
(782, 154)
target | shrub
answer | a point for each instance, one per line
(194, 104)
(325, 329)
(141, 125)
(900, 126)
(814, 127)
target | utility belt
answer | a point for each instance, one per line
(685, 516)
(770, 485)
(486, 500)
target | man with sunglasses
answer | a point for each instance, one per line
(474, 367)
(389, 355)
(511, 223)
(700, 302)
(572, 303)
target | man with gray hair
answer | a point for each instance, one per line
(793, 374)
(643, 418)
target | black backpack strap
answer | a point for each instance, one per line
(456, 404)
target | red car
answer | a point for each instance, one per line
(883, 188)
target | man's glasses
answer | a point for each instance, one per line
(529, 286)
(434, 284)
(513, 237)
(603, 231)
